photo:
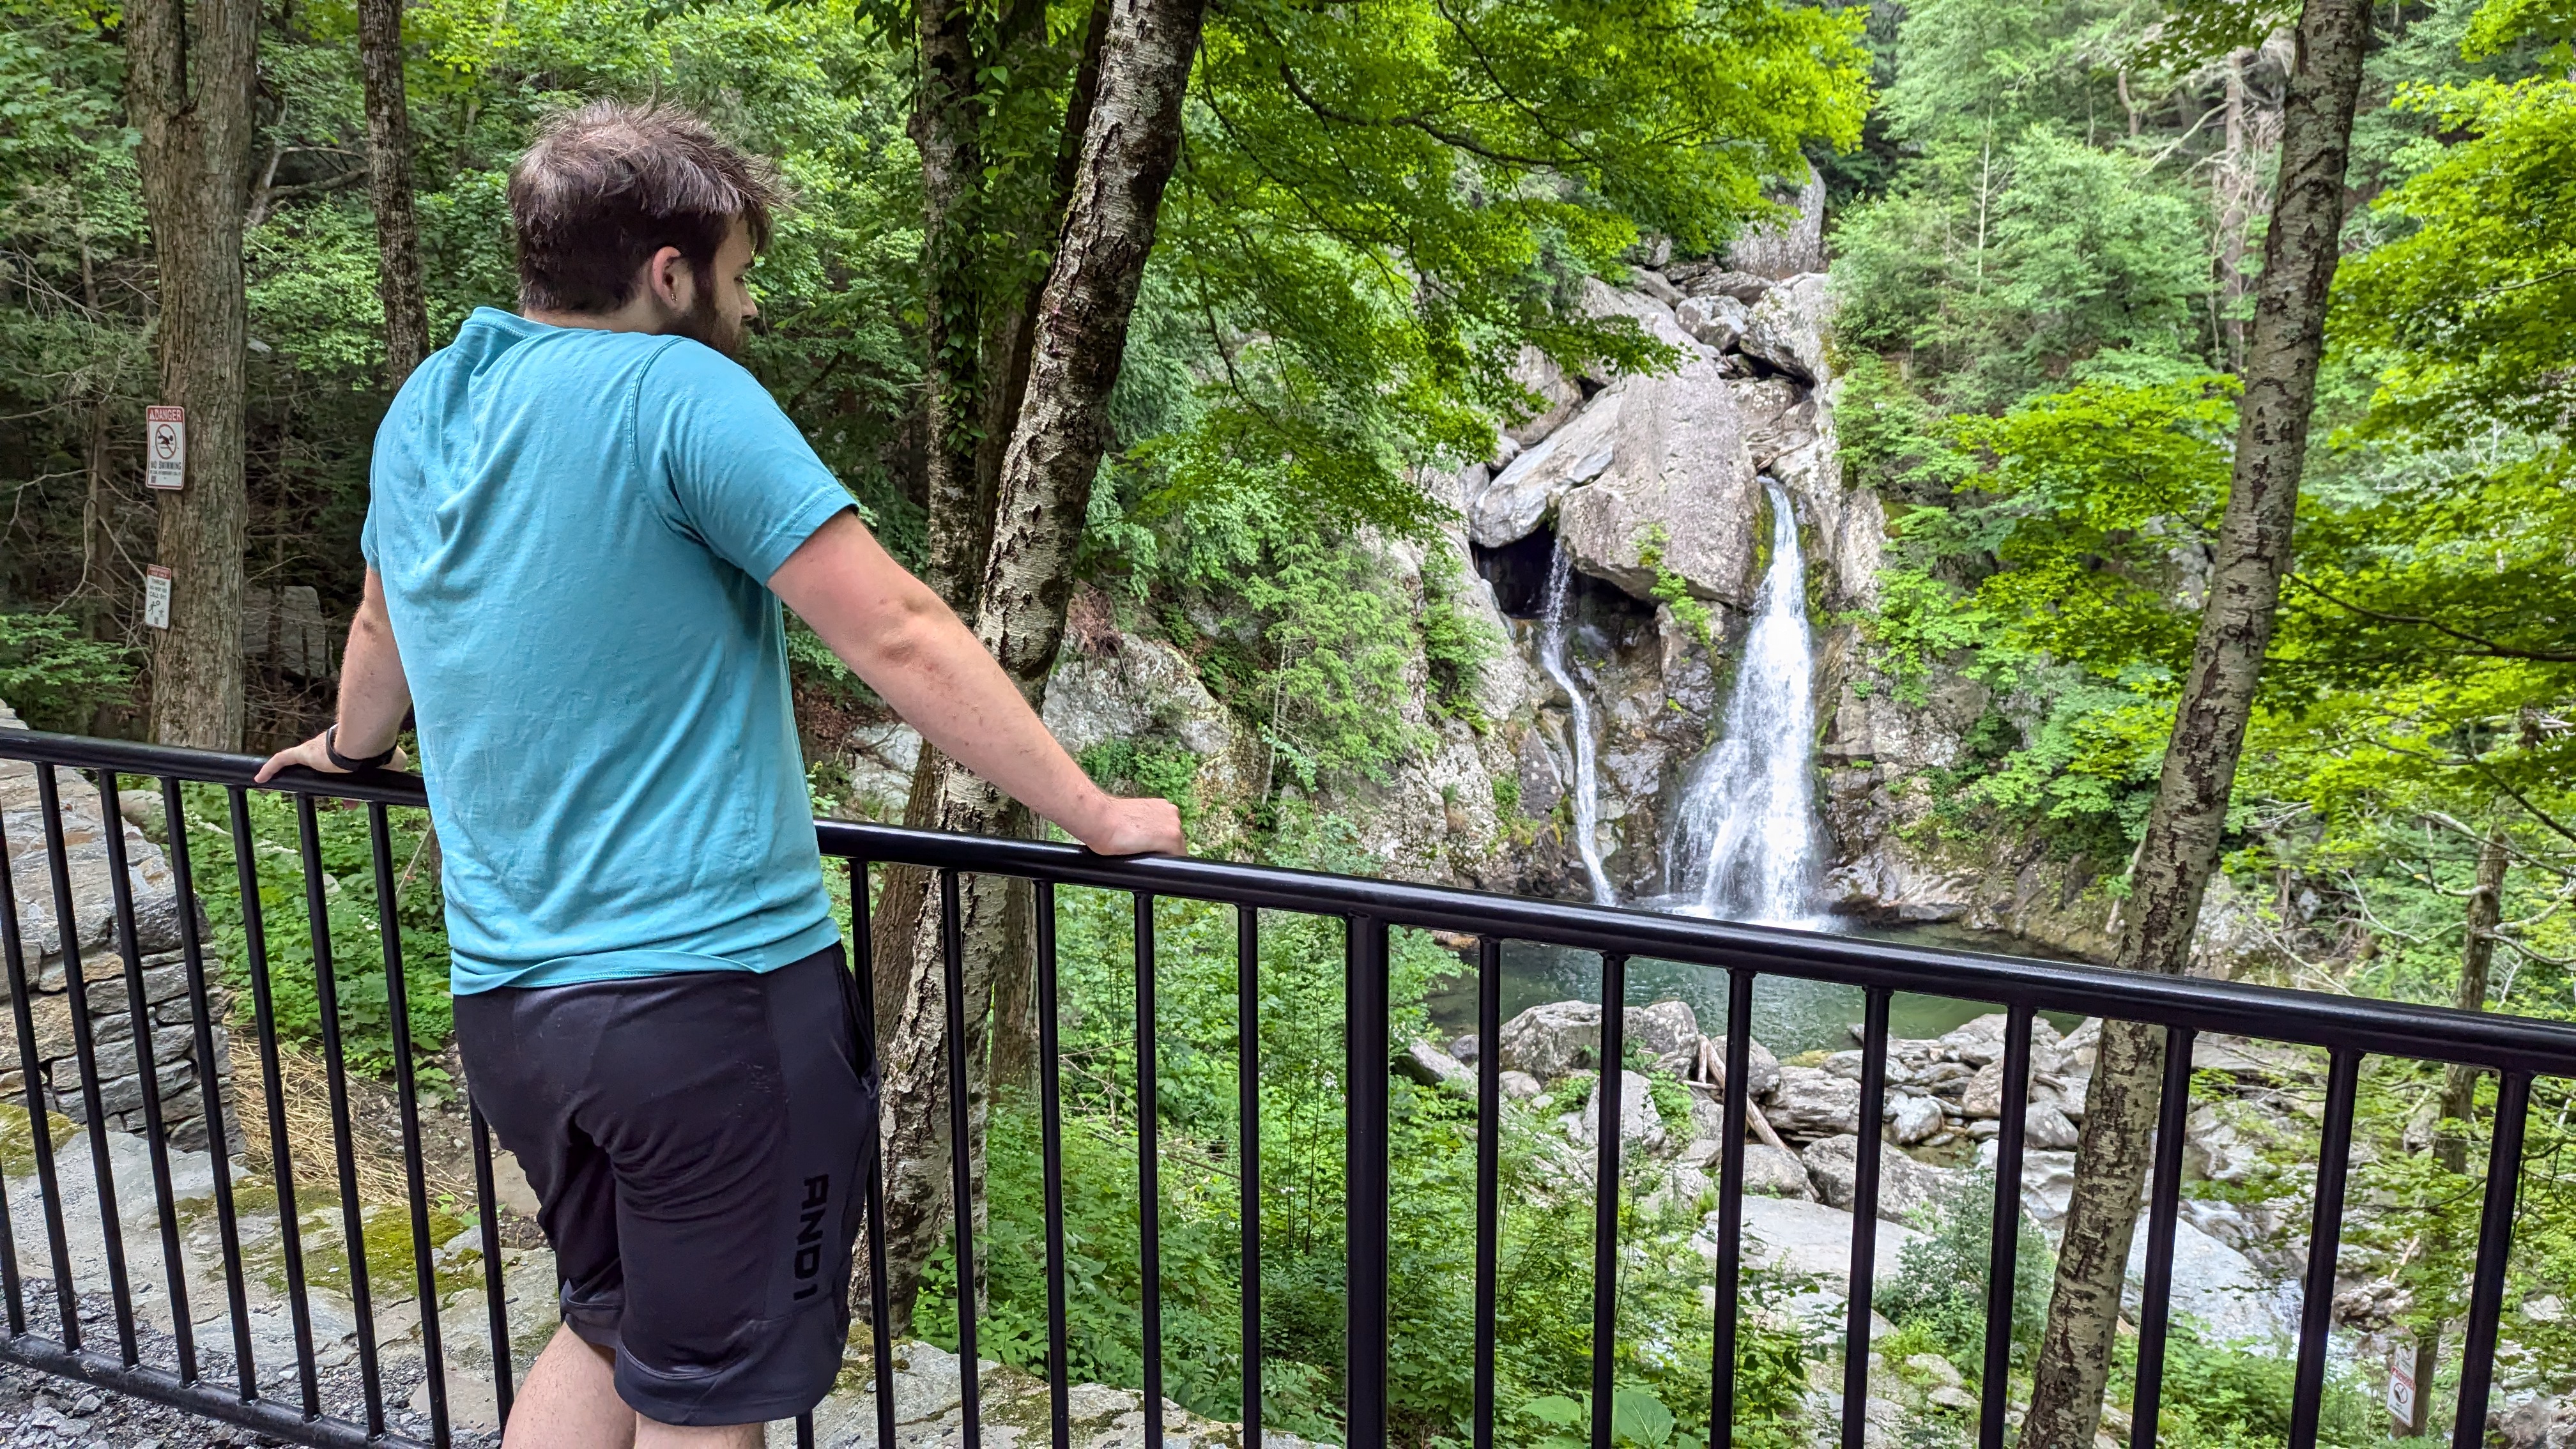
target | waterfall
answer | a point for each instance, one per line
(1585, 788)
(1744, 835)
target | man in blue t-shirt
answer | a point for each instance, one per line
(583, 520)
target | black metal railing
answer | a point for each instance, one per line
(2516, 1049)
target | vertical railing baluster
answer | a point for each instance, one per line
(1365, 1214)
(210, 1098)
(872, 1156)
(1489, 1158)
(407, 1099)
(1247, 1131)
(1149, 1171)
(496, 1293)
(1606, 1122)
(1730, 1207)
(961, 1175)
(2495, 1253)
(2325, 1241)
(281, 1160)
(1864, 1244)
(13, 956)
(335, 1071)
(1051, 1151)
(805, 1430)
(1994, 1388)
(147, 1059)
(2164, 1210)
(85, 1054)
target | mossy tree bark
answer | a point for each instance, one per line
(190, 70)
(1129, 146)
(2181, 846)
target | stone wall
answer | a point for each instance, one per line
(168, 1009)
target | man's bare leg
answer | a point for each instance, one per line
(650, 1434)
(570, 1400)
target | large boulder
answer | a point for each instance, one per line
(1666, 1032)
(1510, 505)
(1790, 244)
(1809, 1102)
(1809, 1238)
(1551, 1040)
(1677, 492)
(2217, 1285)
(1904, 1183)
(1425, 1063)
(1787, 328)
(1110, 685)
(93, 896)
(1777, 416)
(1717, 322)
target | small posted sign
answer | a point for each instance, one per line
(2401, 1388)
(156, 597)
(165, 448)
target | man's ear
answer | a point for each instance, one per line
(670, 278)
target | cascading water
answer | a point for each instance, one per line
(1743, 843)
(1586, 786)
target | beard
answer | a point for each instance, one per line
(706, 322)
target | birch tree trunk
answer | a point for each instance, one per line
(947, 122)
(380, 61)
(189, 77)
(2180, 850)
(1128, 151)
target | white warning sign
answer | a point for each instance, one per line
(165, 447)
(156, 597)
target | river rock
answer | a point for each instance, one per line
(1641, 1127)
(1551, 1040)
(1770, 1172)
(1787, 327)
(1520, 1087)
(1913, 1119)
(1981, 1041)
(1809, 1102)
(2539, 1422)
(1667, 1032)
(1422, 1062)
(1904, 1184)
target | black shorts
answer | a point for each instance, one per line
(696, 1144)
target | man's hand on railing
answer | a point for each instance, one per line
(315, 754)
(1149, 826)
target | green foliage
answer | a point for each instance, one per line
(1457, 645)
(1545, 1308)
(1126, 766)
(54, 678)
(2237, 1396)
(351, 917)
(1940, 1285)
(1672, 591)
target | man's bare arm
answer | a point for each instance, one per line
(374, 694)
(916, 654)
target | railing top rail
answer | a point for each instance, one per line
(2393, 1028)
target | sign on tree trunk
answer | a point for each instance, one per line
(165, 449)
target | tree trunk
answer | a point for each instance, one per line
(194, 162)
(380, 59)
(2180, 849)
(2459, 1083)
(947, 121)
(1128, 151)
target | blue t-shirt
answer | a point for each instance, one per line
(575, 529)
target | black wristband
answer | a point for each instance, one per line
(331, 748)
